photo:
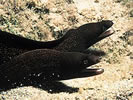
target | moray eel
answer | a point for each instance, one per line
(85, 36)
(43, 65)
(75, 40)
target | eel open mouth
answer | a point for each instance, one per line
(107, 33)
(90, 71)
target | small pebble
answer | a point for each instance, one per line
(131, 13)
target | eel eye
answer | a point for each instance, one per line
(85, 62)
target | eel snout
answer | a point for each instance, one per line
(90, 71)
(107, 28)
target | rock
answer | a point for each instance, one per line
(131, 13)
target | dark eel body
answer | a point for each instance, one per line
(38, 66)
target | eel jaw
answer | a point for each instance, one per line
(88, 72)
(91, 71)
(107, 33)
